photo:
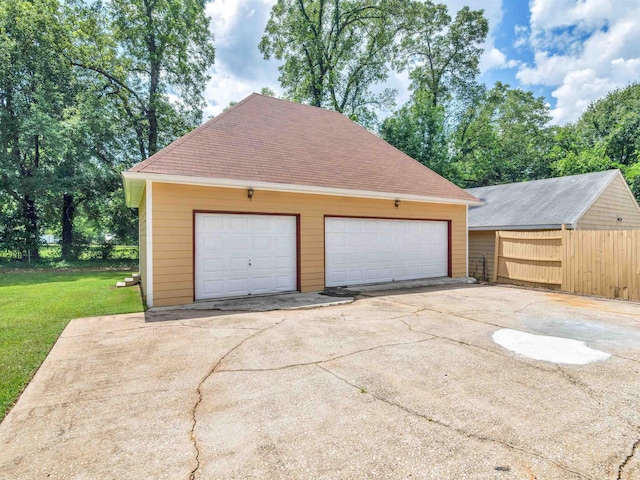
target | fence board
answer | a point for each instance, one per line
(592, 262)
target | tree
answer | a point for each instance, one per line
(143, 66)
(153, 57)
(502, 137)
(442, 54)
(34, 96)
(333, 52)
(419, 130)
(606, 136)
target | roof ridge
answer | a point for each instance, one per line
(298, 104)
(190, 134)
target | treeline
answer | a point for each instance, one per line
(502, 135)
(87, 88)
(335, 54)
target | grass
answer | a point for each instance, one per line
(35, 306)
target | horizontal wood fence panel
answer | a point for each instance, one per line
(591, 262)
(529, 258)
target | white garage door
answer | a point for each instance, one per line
(360, 251)
(244, 254)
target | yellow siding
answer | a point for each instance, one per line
(142, 245)
(173, 207)
(615, 202)
(482, 244)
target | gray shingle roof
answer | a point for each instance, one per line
(537, 204)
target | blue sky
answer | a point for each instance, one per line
(569, 51)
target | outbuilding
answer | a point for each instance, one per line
(591, 201)
(274, 196)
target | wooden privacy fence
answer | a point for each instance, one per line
(592, 262)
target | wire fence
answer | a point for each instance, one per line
(51, 253)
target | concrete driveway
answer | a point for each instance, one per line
(406, 384)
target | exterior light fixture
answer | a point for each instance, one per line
(397, 204)
(250, 193)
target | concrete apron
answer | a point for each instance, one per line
(291, 301)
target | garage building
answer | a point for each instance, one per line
(274, 196)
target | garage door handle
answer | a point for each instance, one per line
(249, 262)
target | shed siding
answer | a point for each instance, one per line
(615, 202)
(481, 243)
(142, 244)
(173, 207)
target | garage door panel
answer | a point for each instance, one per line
(284, 283)
(237, 264)
(244, 254)
(213, 287)
(213, 265)
(261, 263)
(371, 250)
(211, 224)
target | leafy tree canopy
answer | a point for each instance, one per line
(333, 52)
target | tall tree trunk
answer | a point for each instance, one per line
(32, 230)
(68, 214)
(154, 81)
(153, 111)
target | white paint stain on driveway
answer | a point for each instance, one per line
(548, 349)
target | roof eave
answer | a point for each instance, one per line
(133, 189)
(549, 226)
(133, 193)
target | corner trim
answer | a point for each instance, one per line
(149, 214)
(467, 240)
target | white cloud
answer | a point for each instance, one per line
(240, 68)
(583, 49)
(492, 58)
(522, 35)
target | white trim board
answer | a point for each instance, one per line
(132, 180)
(149, 215)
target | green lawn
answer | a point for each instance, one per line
(35, 306)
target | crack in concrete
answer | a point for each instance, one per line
(569, 378)
(477, 347)
(317, 362)
(152, 325)
(422, 309)
(627, 459)
(460, 431)
(212, 370)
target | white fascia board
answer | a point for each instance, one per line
(135, 177)
(550, 226)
